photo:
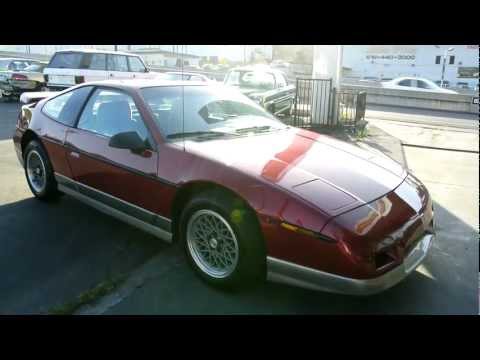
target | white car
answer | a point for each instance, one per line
(71, 67)
(415, 84)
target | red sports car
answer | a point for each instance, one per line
(248, 197)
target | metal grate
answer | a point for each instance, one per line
(349, 109)
(318, 104)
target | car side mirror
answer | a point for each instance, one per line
(128, 140)
(147, 70)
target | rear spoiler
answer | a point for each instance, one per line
(31, 97)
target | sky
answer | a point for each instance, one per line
(231, 52)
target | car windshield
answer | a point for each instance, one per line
(251, 79)
(206, 112)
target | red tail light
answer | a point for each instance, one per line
(79, 79)
(19, 77)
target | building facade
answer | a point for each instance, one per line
(391, 61)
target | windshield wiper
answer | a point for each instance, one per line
(198, 133)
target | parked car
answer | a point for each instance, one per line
(173, 75)
(463, 85)
(415, 84)
(15, 64)
(7, 67)
(266, 86)
(446, 83)
(248, 197)
(369, 79)
(71, 67)
(14, 83)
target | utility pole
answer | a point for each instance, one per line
(444, 63)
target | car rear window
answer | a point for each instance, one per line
(34, 68)
(66, 60)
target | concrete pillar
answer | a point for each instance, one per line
(327, 64)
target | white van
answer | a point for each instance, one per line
(71, 67)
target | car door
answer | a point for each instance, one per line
(117, 67)
(120, 178)
(63, 111)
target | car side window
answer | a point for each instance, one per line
(135, 64)
(110, 112)
(406, 82)
(117, 63)
(423, 85)
(97, 62)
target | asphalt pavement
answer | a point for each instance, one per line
(51, 253)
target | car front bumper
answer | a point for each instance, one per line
(297, 275)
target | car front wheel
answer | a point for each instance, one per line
(39, 173)
(222, 240)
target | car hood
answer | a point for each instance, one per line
(330, 174)
(250, 92)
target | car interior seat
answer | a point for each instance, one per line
(115, 117)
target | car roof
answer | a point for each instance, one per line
(410, 78)
(96, 51)
(144, 83)
(265, 68)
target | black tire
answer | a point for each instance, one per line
(50, 190)
(250, 269)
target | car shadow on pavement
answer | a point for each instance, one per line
(8, 118)
(52, 252)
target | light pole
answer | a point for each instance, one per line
(443, 64)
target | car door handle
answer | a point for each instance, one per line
(74, 154)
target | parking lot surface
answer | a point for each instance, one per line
(50, 253)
